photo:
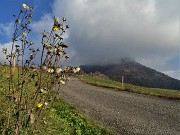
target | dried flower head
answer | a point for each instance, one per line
(62, 45)
(66, 57)
(4, 50)
(17, 21)
(24, 34)
(64, 19)
(62, 82)
(61, 26)
(25, 6)
(46, 44)
(22, 39)
(50, 70)
(76, 69)
(56, 20)
(31, 43)
(43, 91)
(44, 67)
(58, 70)
(45, 103)
(31, 8)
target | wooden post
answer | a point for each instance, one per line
(122, 79)
(14, 64)
(14, 61)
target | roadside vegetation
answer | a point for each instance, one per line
(99, 81)
(30, 104)
(59, 118)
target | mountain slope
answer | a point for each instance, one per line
(134, 73)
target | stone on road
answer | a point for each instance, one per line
(124, 112)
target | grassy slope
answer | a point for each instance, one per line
(61, 119)
(165, 93)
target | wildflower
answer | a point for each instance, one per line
(78, 69)
(45, 103)
(50, 70)
(58, 70)
(24, 34)
(46, 44)
(56, 21)
(33, 66)
(68, 79)
(45, 122)
(22, 39)
(30, 15)
(59, 52)
(31, 43)
(25, 6)
(4, 50)
(17, 21)
(66, 57)
(63, 45)
(49, 50)
(61, 26)
(39, 105)
(55, 28)
(43, 91)
(31, 8)
(66, 69)
(21, 11)
(29, 21)
(62, 82)
(44, 67)
(75, 70)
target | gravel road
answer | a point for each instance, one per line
(124, 112)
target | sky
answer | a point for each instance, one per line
(104, 31)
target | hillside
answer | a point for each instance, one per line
(134, 73)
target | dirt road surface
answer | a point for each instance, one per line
(124, 112)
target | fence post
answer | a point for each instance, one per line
(122, 82)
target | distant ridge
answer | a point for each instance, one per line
(134, 73)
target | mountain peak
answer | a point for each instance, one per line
(134, 73)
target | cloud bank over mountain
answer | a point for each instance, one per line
(106, 31)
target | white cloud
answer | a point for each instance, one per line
(105, 31)
(6, 29)
(121, 24)
(45, 23)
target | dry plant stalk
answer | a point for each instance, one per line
(30, 85)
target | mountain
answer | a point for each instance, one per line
(134, 73)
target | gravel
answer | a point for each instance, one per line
(124, 112)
